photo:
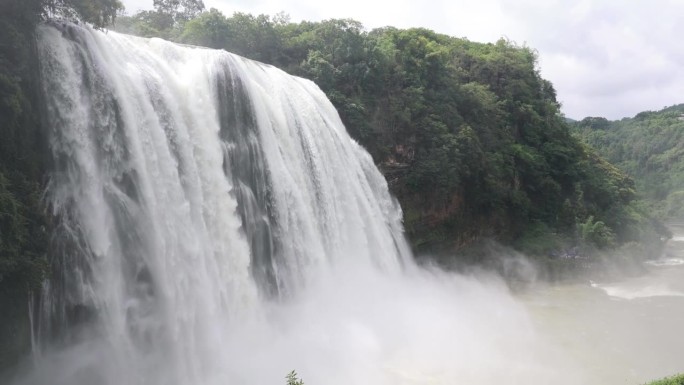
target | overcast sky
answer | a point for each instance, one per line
(605, 57)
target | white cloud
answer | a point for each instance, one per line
(605, 57)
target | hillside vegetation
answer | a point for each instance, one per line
(469, 135)
(650, 148)
(24, 221)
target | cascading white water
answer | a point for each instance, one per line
(174, 166)
(217, 225)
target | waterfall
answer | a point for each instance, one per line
(191, 185)
(215, 224)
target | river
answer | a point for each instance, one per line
(621, 332)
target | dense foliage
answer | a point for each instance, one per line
(99, 13)
(22, 231)
(650, 148)
(469, 135)
(24, 224)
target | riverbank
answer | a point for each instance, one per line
(574, 265)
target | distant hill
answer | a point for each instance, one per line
(650, 148)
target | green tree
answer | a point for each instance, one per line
(147, 24)
(99, 13)
(179, 10)
(210, 29)
(292, 379)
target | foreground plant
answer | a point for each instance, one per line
(292, 379)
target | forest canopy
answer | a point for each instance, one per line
(650, 148)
